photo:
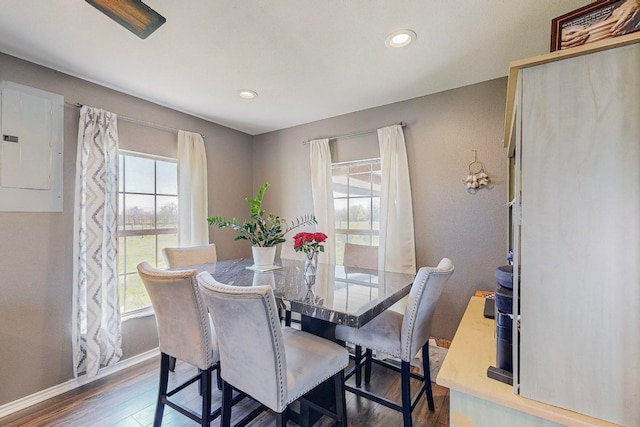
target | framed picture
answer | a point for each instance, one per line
(600, 20)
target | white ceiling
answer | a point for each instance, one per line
(307, 59)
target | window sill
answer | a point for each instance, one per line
(143, 312)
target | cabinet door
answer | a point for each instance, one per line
(580, 234)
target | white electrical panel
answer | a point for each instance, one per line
(31, 149)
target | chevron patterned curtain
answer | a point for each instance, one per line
(96, 309)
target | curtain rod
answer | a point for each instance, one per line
(351, 135)
(137, 121)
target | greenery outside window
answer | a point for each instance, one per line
(147, 221)
(356, 198)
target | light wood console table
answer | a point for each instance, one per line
(477, 400)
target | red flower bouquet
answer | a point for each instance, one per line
(309, 243)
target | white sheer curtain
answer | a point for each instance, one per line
(322, 189)
(397, 242)
(193, 229)
(96, 324)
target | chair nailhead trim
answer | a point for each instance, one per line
(279, 357)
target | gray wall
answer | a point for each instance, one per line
(441, 132)
(36, 248)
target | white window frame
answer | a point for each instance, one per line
(122, 270)
(370, 232)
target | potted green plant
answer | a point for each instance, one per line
(263, 230)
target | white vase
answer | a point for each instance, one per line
(263, 256)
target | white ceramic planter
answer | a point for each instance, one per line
(263, 257)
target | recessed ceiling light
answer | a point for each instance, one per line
(247, 94)
(400, 38)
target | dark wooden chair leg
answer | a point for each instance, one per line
(305, 414)
(341, 407)
(218, 378)
(287, 318)
(225, 416)
(367, 365)
(172, 364)
(281, 419)
(205, 384)
(426, 371)
(358, 357)
(162, 389)
(406, 394)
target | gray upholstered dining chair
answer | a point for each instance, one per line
(274, 365)
(402, 336)
(193, 255)
(355, 258)
(185, 257)
(184, 332)
(360, 256)
(288, 252)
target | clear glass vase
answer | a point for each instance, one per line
(311, 264)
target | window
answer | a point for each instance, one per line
(147, 221)
(356, 198)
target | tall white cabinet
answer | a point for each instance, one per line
(574, 138)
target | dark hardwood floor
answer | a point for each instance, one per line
(127, 398)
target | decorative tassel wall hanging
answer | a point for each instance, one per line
(477, 177)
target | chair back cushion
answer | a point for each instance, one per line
(194, 255)
(423, 298)
(252, 355)
(287, 252)
(360, 256)
(184, 331)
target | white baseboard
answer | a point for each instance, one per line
(25, 402)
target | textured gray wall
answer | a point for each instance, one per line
(441, 132)
(36, 248)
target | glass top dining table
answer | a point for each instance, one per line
(337, 294)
